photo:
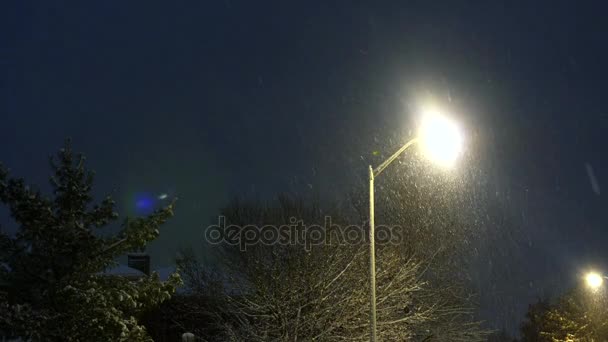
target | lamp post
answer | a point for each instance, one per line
(442, 143)
(594, 280)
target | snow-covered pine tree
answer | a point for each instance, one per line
(51, 283)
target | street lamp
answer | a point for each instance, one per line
(594, 280)
(441, 141)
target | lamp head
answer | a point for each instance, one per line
(594, 280)
(440, 138)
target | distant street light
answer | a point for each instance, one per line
(594, 280)
(441, 141)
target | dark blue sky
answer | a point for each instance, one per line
(211, 99)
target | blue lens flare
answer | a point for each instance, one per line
(145, 203)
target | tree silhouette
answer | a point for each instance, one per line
(52, 282)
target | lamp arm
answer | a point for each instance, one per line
(387, 162)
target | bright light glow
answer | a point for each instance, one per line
(440, 138)
(594, 280)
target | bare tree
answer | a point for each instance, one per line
(302, 291)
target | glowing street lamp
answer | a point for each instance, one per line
(441, 142)
(441, 139)
(594, 280)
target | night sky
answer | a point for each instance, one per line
(207, 100)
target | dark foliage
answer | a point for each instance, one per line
(53, 288)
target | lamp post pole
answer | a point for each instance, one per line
(373, 173)
(372, 258)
